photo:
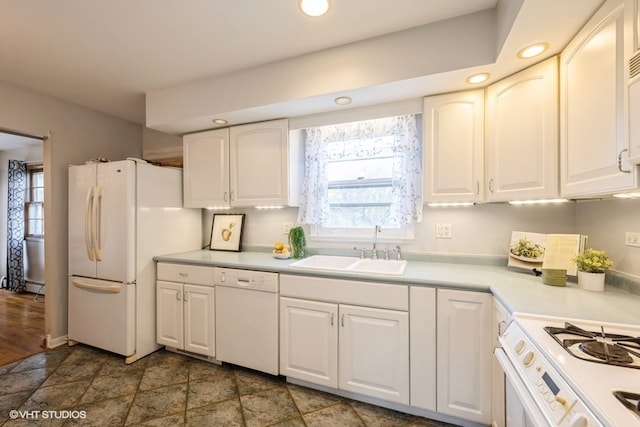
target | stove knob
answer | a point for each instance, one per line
(529, 358)
(579, 420)
(520, 345)
(561, 400)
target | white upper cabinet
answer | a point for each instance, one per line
(453, 135)
(522, 135)
(245, 165)
(259, 159)
(594, 104)
(206, 169)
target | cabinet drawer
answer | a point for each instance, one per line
(181, 273)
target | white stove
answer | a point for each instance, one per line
(575, 372)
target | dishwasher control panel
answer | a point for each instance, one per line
(247, 279)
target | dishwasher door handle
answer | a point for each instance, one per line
(245, 283)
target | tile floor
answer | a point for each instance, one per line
(167, 389)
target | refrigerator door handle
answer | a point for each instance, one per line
(113, 289)
(88, 220)
(97, 219)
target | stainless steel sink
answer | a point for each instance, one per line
(352, 265)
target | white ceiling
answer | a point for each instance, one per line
(106, 54)
(10, 141)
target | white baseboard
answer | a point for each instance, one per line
(34, 288)
(56, 342)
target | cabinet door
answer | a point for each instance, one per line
(374, 352)
(199, 319)
(309, 341)
(522, 135)
(206, 169)
(422, 346)
(453, 135)
(169, 314)
(259, 164)
(594, 136)
(464, 353)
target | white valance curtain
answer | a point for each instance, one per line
(406, 206)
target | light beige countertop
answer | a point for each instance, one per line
(517, 290)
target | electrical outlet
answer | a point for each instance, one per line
(286, 226)
(443, 231)
(632, 238)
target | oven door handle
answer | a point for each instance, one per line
(521, 390)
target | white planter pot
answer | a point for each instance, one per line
(591, 281)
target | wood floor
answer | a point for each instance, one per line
(21, 325)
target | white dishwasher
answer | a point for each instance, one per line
(247, 318)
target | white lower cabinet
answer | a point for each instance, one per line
(362, 350)
(309, 341)
(374, 352)
(464, 354)
(185, 312)
(422, 346)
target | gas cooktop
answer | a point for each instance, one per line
(598, 346)
(599, 360)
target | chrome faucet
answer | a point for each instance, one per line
(374, 252)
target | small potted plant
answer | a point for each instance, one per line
(592, 265)
(298, 242)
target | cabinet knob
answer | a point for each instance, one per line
(491, 185)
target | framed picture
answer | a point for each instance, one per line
(226, 232)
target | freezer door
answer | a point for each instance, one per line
(82, 181)
(103, 314)
(114, 212)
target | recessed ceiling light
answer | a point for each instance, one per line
(219, 121)
(533, 50)
(478, 78)
(342, 100)
(314, 8)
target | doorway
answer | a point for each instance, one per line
(22, 296)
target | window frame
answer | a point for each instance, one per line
(32, 170)
(404, 233)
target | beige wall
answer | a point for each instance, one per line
(76, 135)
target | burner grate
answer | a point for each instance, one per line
(598, 347)
(605, 351)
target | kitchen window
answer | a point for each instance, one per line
(362, 174)
(34, 202)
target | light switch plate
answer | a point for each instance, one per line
(286, 226)
(443, 231)
(632, 238)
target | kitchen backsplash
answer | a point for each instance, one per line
(480, 232)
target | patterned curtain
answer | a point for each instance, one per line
(406, 206)
(15, 225)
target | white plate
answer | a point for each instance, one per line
(525, 259)
(284, 255)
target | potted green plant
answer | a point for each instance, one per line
(592, 265)
(298, 242)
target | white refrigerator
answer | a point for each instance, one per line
(121, 215)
